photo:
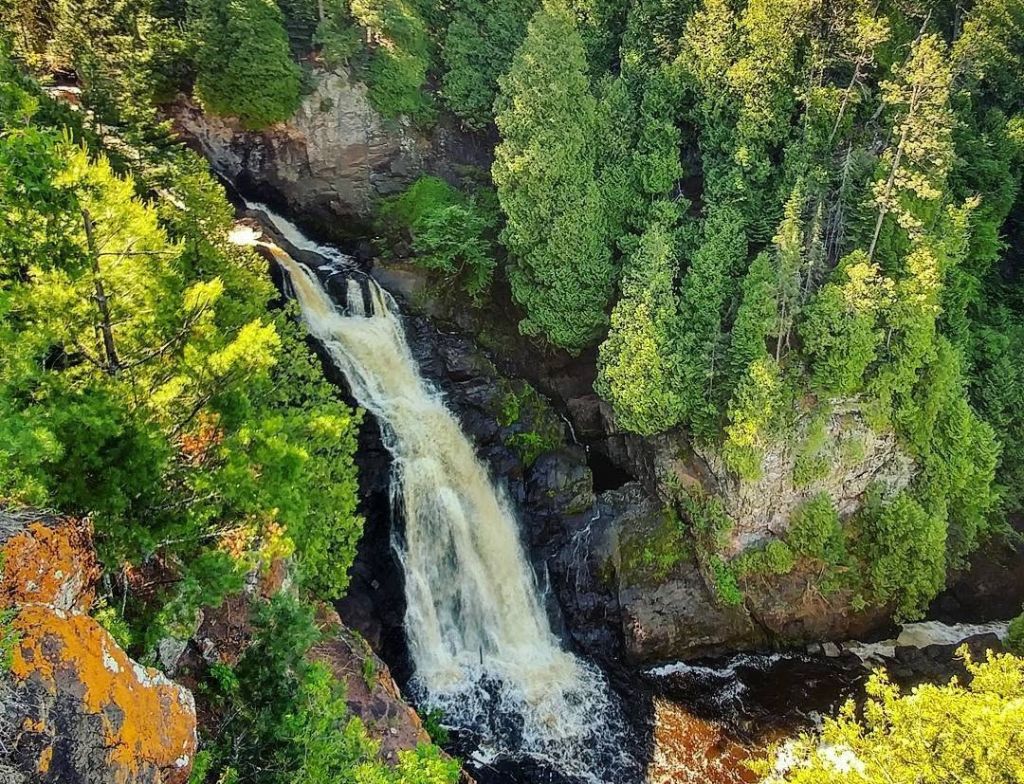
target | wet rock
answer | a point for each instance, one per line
(560, 483)
(991, 588)
(370, 691)
(73, 706)
(911, 665)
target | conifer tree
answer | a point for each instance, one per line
(560, 267)
(478, 48)
(636, 364)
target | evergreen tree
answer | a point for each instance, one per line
(840, 330)
(700, 338)
(636, 373)
(245, 66)
(478, 48)
(560, 265)
(401, 50)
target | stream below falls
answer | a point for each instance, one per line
(523, 708)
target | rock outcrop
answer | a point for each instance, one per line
(838, 455)
(334, 158)
(73, 706)
(370, 691)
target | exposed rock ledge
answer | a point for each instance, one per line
(333, 158)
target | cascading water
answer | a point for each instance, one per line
(479, 637)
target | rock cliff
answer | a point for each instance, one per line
(334, 158)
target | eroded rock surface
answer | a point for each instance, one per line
(73, 706)
(333, 158)
(370, 691)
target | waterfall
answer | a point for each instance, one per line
(479, 637)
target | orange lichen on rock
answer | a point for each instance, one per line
(148, 722)
(43, 765)
(52, 564)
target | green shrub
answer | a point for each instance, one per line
(433, 724)
(963, 731)
(455, 242)
(775, 558)
(656, 553)
(452, 233)
(288, 722)
(481, 39)
(726, 587)
(8, 639)
(1015, 636)
(903, 551)
(811, 465)
(815, 531)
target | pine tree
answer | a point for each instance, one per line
(914, 169)
(560, 267)
(636, 363)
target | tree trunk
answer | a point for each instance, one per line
(113, 364)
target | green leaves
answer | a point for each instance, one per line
(452, 233)
(401, 58)
(479, 44)
(214, 441)
(932, 734)
(636, 369)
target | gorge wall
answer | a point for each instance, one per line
(328, 166)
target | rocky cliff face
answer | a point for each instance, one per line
(73, 706)
(334, 158)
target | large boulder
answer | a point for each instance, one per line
(73, 706)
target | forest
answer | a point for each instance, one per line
(758, 216)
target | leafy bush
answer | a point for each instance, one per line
(286, 720)
(452, 233)
(815, 531)
(1015, 636)
(774, 558)
(903, 550)
(946, 733)
(726, 587)
(433, 724)
(338, 37)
